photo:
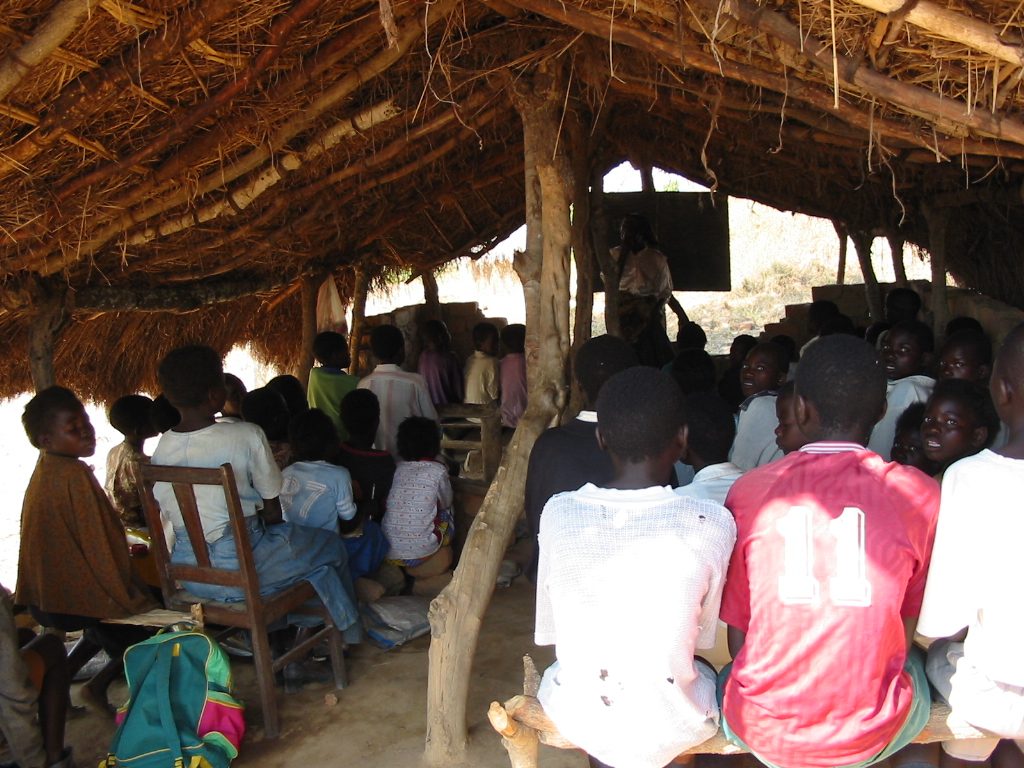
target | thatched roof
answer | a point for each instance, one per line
(226, 147)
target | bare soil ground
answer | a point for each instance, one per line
(379, 720)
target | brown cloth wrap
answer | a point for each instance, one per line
(74, 557)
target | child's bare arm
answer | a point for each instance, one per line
(271, 512)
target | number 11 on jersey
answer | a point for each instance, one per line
(849, 584)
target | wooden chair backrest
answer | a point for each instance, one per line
(184, 481)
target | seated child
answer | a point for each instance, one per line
(729, 385)
(567, 456)
(609, 568)
(36, 672)
(694, 371)
(73, 566)
(959, 420)
(329, 382)
(826, 579)
(963, 323)
(236, 391)
(291, 389)
(483, 379)
(319, 494)
(788, 436)
(129, 415)
(418, 522)
(907, 446)
(438, 365)
(764, 371)
(268, 410)
(284, 553)
(401, 394)
(372, 471)
(163, 415)
(907, 351)
(712, 429)
(967, 355)
(690, 336)
(975, 577)
(513, 374)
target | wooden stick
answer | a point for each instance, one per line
(59, 24)
(51, 315)
(182, 124)
(362, 282)
(844, 242)
(310, 288)
(951, 25)
(899, 269)
(937, 219)
(89, 92)
(266, 152)
(862, 244)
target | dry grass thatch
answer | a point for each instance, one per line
(175, 145)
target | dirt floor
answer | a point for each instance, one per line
(380, 719)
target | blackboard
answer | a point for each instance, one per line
(692, 232)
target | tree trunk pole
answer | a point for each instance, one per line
(457, 613)
(50, 317)
(609, 269)
(583, 253)
(937, 219)
(431, 296)
(309, 290)
(862, 244)
(355, 336)
(843, 245)
(898, 268)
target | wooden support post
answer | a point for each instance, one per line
(937, 221)
(843, 244)
(431, 297)
(456, 614)
(898, 268)
(309, 289)
(51, 314)
(609, 269)
(582, 252)
(862, 243)
(355, 335)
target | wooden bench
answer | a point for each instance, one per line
(523, 724)
(457, 415)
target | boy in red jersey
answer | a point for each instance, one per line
(826, 581)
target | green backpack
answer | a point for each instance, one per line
(180, 711)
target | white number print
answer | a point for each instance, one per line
(849, 584)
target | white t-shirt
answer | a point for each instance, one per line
(628, 587)
(401, 394)
(243, 446)
(712, 483)
(899, 394)
(977, 570)
(317, 494)
(755, 444)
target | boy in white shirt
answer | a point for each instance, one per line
(601, 551)
(975, 577)
(907, 353)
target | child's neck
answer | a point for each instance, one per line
(635, 476)
(361, 443)
(135, 442)
(1014, 448)
(194, 418)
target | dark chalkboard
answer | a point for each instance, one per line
(692, 232)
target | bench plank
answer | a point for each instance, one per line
(526, 712)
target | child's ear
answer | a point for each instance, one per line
(984, 372)
(600, 440)
(780, 379)
(1000, 391)
(683, 441)
(802, 412)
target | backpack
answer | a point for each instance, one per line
(180, 711)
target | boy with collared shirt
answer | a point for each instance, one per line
(764, 370)
(826, 581)
(401, 394)
(711, 432)
(974, 582)
(567, 456)
(602, 548)
(907, 351)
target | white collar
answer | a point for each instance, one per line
(588, 416)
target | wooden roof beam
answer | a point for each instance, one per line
(951, 25)
(62, 21)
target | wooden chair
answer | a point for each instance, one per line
(255, 612)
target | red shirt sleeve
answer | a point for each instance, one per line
(922, 520)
